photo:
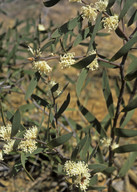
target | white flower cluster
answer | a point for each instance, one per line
(106, 142)
(80, 171)
(110, 23)
(67, 60)
(94, 64)
(42, 67)
(89, 13)
(101, 5)
(5, 133)
(29, 144)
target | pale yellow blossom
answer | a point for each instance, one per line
(31, 133)
(42, 67)
(8, 147)
(81, 173)
(29, 145)
(35, 53)
(67, 60)
(101, 5)
(5, 132)
(89, 13)
(110, 23)
(106, 142)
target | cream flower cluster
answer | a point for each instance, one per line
(106, 142)
(101, 5)
(80, 171)
(110, 23)
(79, 1)
(29, 144)
(67, 60)
(94, 64)
(89, 13)
(5, 133)
(42, 67)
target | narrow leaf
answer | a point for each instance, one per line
(95, 30)
(126, 7)
(124, 49)
(132, 105)
(107, 94)
(60, 140)
(32, 85)
(63, 106)
(126, 148)
(91, 119)
(125, 132)
(50, 3)
(16, 123)
(84, 62)
(78, 148)
(40, 101)
(80, 81)
(128, 164)
(132, 19)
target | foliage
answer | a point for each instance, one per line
(51, 135)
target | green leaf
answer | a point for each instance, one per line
(95, 30)
(97, 168)
(99, 156)
(126, 148)
(132, 19)
(32, 85)
(40, 101)
(60, 140)
(107, 94)
(131, 71)
(27, 107)
(125, 132)
(109, 170)
(105, 64)
(110, 3)
(126, 7)
(124, 49)
(47, 44)
(80, 81)
(91, 119)
(16, 123)
(127, 119)
(84, 62)
(93, 180)
(50, 3)
(68, 26)
(23, 161)
(132, 105)
(97, 188)
(86, 147)
(81, 36)
(78, 148)
(63, 107)
(128, 164)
